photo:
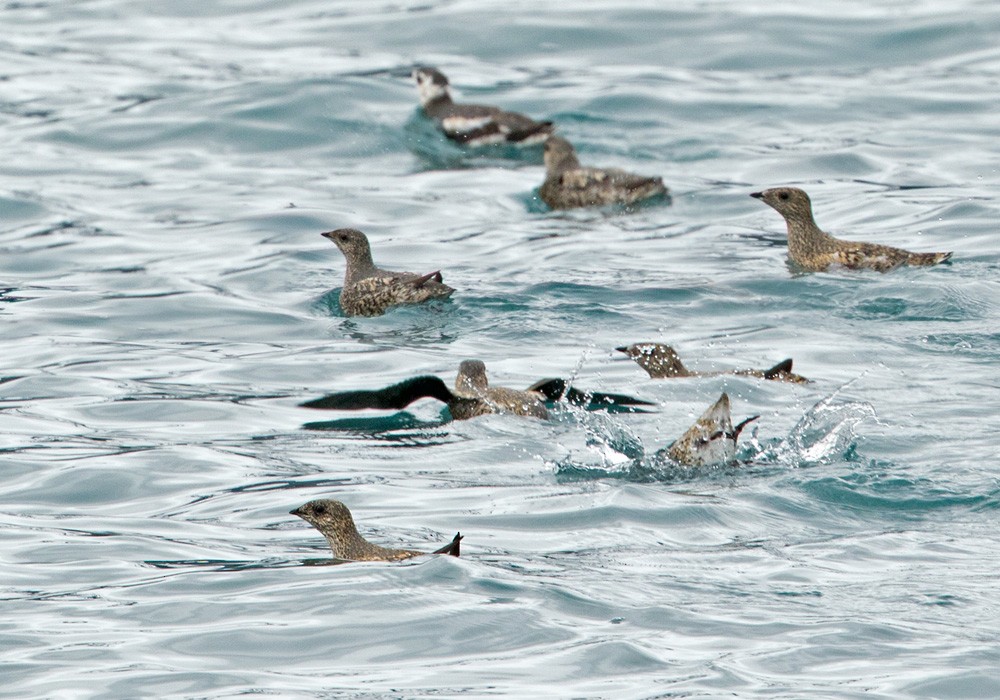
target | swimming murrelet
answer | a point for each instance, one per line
(662, 362)
(369, 290)
(333, 519)
(568, 184)
(813, 249)
(474, 125)
(711, 440)
(473, 396)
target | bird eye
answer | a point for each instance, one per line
(783, 196)
(319, 510)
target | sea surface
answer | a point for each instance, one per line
(166, 302)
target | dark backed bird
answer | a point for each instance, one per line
(474, 125)
(473, 396)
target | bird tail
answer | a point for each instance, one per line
(783, 367)
(452, 547)
(927, 258)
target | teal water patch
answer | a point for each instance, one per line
(15, 209)
(430, 323)
(379, 425)
(329, 303)
(879, 496)
(958, 686)
(932, 304)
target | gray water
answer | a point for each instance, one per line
(166, 302)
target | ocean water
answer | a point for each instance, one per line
(166, 302)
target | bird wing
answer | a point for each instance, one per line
(402, 282)
(472, 123)
(875, 257)
(396, 396)
(482, 124)
(783, 367)
(453, 548)
(421, 280)
(590, 178)
(557, 389)
(583, 178)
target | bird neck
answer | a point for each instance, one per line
(804, 236)
(471, 384)
(564, 162)
(359, 266)
(437, 102)
(350, 545)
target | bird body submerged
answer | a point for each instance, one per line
(661, 361)
(334, 521)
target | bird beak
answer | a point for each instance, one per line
(295, 512)
(327, 234)
(756, 195)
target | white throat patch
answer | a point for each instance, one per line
(428, 89)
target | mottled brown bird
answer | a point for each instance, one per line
(568, 184)
(334, 521)
(711, 440)
(662, 362)
(813, 249)
(369, 290)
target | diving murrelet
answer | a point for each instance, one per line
(711, 440)
(813, 249)
(334, 521)
(473, 396)
(661, 361)
(568, 184)
(474, 125)
(369, 290)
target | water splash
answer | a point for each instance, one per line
(608, 437)
(825, 432)
(616, 446)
